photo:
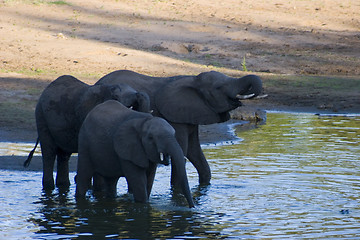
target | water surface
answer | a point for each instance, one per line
(298, 176)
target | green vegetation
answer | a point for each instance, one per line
(58, 3)
(243, 64)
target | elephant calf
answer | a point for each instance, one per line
(115, 141)
(59, 113)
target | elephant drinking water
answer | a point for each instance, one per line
(188, 101)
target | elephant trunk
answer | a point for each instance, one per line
(248, 86)
(143, 102)
(178, 165)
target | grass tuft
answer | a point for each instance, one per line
(59, 3)
(243, 64)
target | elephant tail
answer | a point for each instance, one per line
(28, 160)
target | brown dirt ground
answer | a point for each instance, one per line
(307, 52)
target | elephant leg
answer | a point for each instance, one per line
(99, 183)
(137, 181)
(182, 136)
(129, 189)
(83, 182)
(62, 175)
(111, 184)
(48, 151)
(197, 157)
(84, 174)
(150, 173)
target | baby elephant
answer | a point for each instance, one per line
(115, 141)
(60, 111)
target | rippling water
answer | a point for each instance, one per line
(298, 176)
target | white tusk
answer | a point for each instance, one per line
(261, 96)
(151, 111)
(245, 96)
(186, 158)
(131, 107)
(161, 157)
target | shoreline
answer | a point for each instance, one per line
(210, 136)
(12, 134)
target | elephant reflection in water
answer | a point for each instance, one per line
(115, 142)
(59, 113)
(57, 216)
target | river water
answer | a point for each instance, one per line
(298, 176)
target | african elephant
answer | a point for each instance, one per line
(59, 113)
(188, 101)
(115, 141)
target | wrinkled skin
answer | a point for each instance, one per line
(115, 141)
(61, 109)
(189, 101)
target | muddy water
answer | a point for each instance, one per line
(298, 176)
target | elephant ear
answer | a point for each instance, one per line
(180, 101)
(127, 143)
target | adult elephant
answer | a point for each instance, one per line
(189, 101)
(115, 141)
(59, 113)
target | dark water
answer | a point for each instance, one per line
(298, 176)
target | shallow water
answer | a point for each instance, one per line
(298, 176)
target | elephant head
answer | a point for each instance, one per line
(123, 93)
(206, 98)
(129, 97)
(152, 139)
(138, 101)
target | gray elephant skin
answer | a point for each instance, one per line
(115, 141)
(188, 101)
(59, 113)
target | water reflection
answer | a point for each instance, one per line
(18, 149)
(295, 177)
(297, 171)
(63, 217)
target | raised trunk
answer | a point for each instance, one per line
(178, 165)
(250, 84)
